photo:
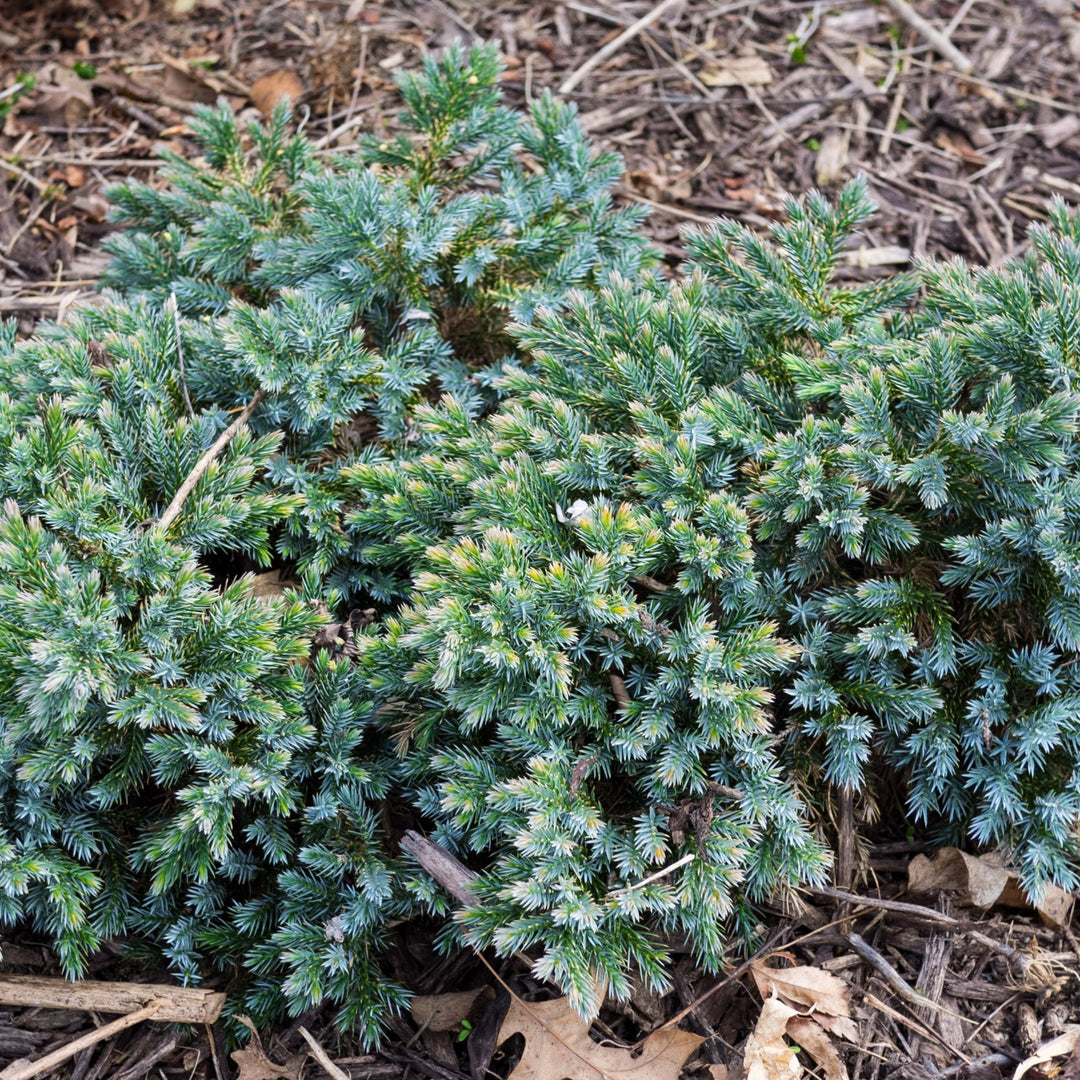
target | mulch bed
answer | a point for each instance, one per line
(719, 107)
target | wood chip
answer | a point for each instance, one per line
(751, 70)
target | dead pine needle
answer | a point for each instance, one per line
(172, 512)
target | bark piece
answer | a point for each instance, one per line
(179, 1005)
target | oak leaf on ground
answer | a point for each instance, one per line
(809, 989)
(255, 1065)
(984, 881)
(447, 1012)
(557, 1045)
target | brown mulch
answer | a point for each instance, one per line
(719, 107)
(951, 992)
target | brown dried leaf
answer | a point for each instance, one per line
(978, 881)
(271, 585)
(1064, 1044)
(767, 1056)
(752, 70)
(445, 1012)
(810, 1035)
(255, 1065)
(983, 881)
(184, 83)
(66, 93)
(952, 142)
(270, 89)
(809, 988)
(557, 1045)
(657, 185)
(95, 206)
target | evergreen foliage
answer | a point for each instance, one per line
(608, 581)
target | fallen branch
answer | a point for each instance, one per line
(455, 878)
(176, 1004)
(172, 512)
(618, 690)
(892, 976)
(916, 911)
(938, 41)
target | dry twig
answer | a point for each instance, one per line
(322, 1057)
(615, 45)
(172, 512)
(934, 37)
(23, 1070)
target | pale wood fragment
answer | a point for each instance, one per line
(178, 1004)
(455, 878)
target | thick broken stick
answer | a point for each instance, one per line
(455, 878)
(176, 1004)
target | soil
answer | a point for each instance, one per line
(719, 107)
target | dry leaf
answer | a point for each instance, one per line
(658, 186)
(95, 206)
(445, 1012)
(255, 1065)
(809, 988)
(270, 89)
(752, 70)
(68, 227)
(984, 881)
(557, 1045)
(185, 83)
(271, 585)
(952, 142)
(810, 1035)
(67, 93)
(1059, 1047)
(767, 1056)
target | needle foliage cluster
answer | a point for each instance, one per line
(610, 581)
